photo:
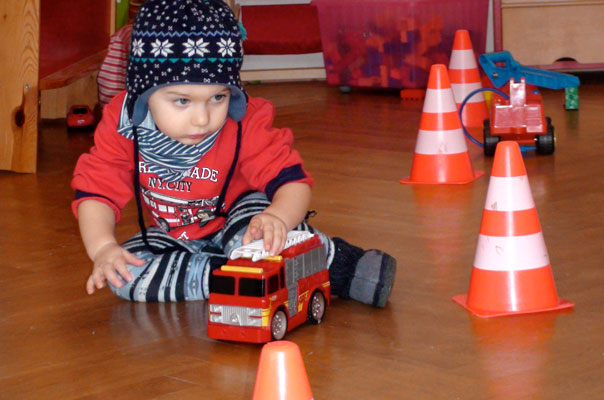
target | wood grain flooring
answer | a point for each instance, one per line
(56, 342)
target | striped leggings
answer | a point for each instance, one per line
(179, 275)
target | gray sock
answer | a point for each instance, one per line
(365, 276)
(373, 278)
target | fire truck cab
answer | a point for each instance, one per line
(256, 298)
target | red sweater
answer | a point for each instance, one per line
(266, 161)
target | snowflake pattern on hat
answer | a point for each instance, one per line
(184, 41)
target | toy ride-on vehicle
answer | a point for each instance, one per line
(520, 117)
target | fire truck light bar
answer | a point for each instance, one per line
(235, 268)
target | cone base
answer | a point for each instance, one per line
(409, 181)
(444, 169)
(462, 300)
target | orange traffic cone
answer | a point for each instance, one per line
(465, 78)
(441, 155)
(281, 373)
(512, 272)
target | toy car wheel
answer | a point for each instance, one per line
(279, 325)
(546, 142)
(163, 224)
(316, 308)
(490, 142)
(204, 217)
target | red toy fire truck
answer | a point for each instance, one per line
(256, 298)
(521, 116)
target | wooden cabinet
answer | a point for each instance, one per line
(19, 84)
(551, 33)
(61, 41)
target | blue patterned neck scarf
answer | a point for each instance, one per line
(171, 160)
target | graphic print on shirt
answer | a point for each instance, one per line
(172, 212)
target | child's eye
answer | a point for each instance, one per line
(219, 97)
(181, 102)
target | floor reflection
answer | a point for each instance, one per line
(514, 352)
(447, 223)
(147, 322)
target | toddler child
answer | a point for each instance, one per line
(205, 161)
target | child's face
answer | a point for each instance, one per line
(189, 113)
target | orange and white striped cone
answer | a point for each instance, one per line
(281, 373)
(465, 78)
(512, 272)
(441, 155)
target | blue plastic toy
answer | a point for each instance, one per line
(500, 75)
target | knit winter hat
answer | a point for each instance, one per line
(184, 41)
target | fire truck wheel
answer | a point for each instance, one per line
(279, 325)
(163, 224)
(546, 142)
(490, 142)
(316, 308)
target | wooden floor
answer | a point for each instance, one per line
(56, 342)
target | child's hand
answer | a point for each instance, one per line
(270, 228)
(109, 261)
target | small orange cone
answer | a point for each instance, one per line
(441, 155)
(512, 272)
(465, 78)
(281, 373)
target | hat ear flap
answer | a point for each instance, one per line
(242, 31)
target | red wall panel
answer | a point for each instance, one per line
(71, 30)
(282, 29)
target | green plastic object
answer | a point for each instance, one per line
(121, 13)
(571, 98)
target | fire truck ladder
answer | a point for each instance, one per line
(255, 250)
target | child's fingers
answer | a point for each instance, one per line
(98, 279)
(247, 237)
(122, 269)
(253, 231)
(90, 285)
(114, 279)
(279, 237)
(278, 242)
(132, 259)
(268, 235)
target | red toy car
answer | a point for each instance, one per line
(521, 119)
(80, 116)
(255, 298)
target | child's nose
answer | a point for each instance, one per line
(201, 117)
